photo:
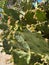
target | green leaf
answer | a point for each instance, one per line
(41, 16)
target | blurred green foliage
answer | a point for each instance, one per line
(41, 16)
(26, 46)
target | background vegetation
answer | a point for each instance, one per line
(25, 33)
